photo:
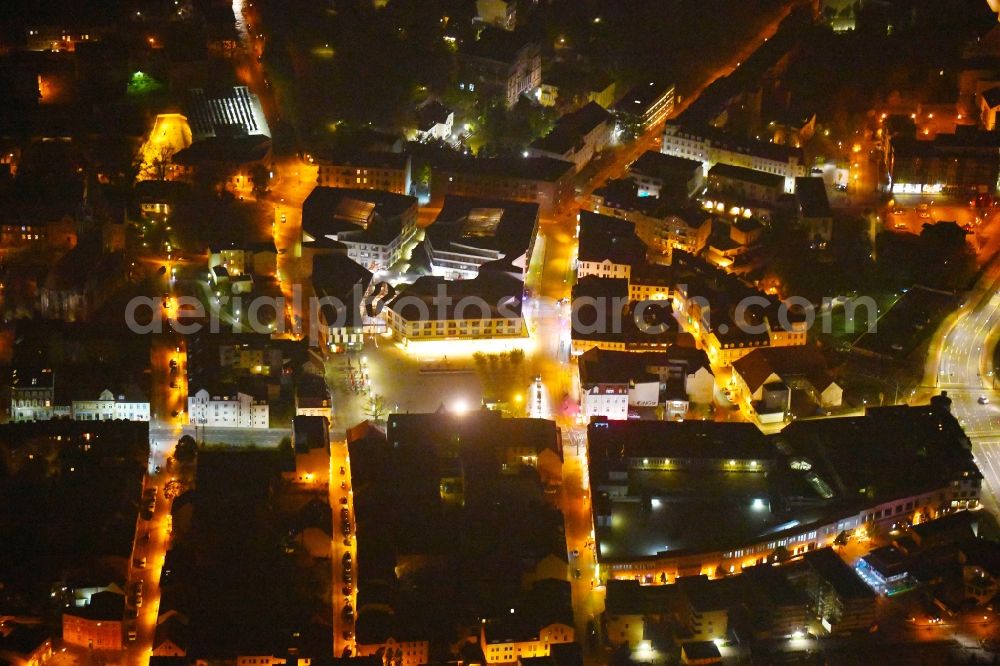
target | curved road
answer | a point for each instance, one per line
(961, 363)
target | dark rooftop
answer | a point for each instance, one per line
(761, 178)
(828, 565)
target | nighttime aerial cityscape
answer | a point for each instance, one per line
(477, 332)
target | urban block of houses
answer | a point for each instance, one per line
(712, 146)
(228, 407)
(577, 136)
(545, 181)
(673, 179)
(645, 105)
(375, 226)
(470, 232)
(542, 620)
(613, 384)
(365, 170)
(605, 317)
(500, 64)
(659, 512)
(765, 380)
(706, 297)
(734, 244)
(457, 466)
(432, 308)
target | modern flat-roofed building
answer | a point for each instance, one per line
(577, 136)
(712, 146)
(645, 105)
(365, 170)
(673, 179)
(500, 64)
(432, 308)
(231, 112)
(659, 485)
(470, 232)
(545, 181)
(375, 226)
(841, 600)
(343, 288)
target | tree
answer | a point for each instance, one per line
(842, 539)
(285, 446)
(781, 554)
(159, 163)
(186, 450)
(376, 408)
(260, 177)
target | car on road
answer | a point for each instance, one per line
(347, 590)
(898, 211)
(140, 562)
(575, 553)
(347, 540)
(983, 400)
(577, 574)
(342, 471)
(347, 558)
(925, 215)
(900, 225)
(343, 500)
(348, 635)
(131, 635)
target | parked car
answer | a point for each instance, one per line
(983, 400)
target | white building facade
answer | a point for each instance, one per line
(233, 410)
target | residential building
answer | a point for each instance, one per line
(471, 232)
(500, 64)
(24, 645)
(227, 407)
(967, 160)
(242, 258)
(345, 292)
(841, 599)
(705, 612)
(660, 225)
(435, 122)
(545, 181)
(577, 136)
(32, 394)
(311, 444)
(815, 215)
(989, 104)
(98, 624)
(645, 105)
(748, 185)
(312, 397)
(375, 226)
(605, 317)
(497, 13)
(239, 156)
(801, 368)
(673, 179)
(35, 226)
(609, 247)
(796, 489)
(558, 81)
(128, 404)
(365, 170)
(432, 308)
(612, 383)
(712, 146)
